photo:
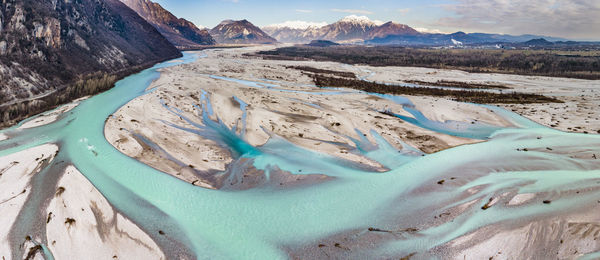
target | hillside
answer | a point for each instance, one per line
(240, 32)
(180, 32)
(46, 47)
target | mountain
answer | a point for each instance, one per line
(293, 35)
(180, 32)
(391, 28)
(349, 29)
(240, 32)
(47, 46)
(322, 43)
(439, 39)
(360, 29)
(285, 34)
(293, 31)
(538, 42)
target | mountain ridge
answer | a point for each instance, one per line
(180, 32)
(240, 32)
(440, 39)
(46, 47)
(348, 29)
(360, 29)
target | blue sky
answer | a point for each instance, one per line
(576, 19)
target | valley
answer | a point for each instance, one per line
(129, 130)
(218, 132)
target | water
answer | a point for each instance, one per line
(259, 223)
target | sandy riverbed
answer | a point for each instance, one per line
(80, 221)
(580, 112)
(49, 116)
(295, 110)
(307, 117)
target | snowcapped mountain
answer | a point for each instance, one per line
(240, 32)
(349, 29)
(297, 25)
(180, 32)
(285, 34)
(360, 21)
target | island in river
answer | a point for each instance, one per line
(224, 155)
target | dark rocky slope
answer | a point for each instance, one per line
(181, 32)
(52, 51)
(240, 32)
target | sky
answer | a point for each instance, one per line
(572, 19)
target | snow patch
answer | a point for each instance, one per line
(301, 25)
(363, 20)
(427, 30)
(226, 22)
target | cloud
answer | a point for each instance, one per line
(303, 11)
(427, 30)
(403, 10)
(576, 19)
(351, 11)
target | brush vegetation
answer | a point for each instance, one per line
(91, 84)
(552, 63)
(472, 96)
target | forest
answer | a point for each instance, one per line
(85, 86)
(472, 96)
(552, 63)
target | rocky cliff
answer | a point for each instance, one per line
(46, 46)
(240, 32)
(181, 32)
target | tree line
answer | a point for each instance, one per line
(553, 63)
(89, 85)
(471, 96)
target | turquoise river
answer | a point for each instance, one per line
(270, 223)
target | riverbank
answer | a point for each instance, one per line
(87, 85)
(79, 220)
(579, 112)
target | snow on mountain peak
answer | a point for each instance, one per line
(226, 22)
(302, 25)
(355, 19)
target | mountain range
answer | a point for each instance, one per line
(45, 46)
(457, 38)
(360, 29)
(180, 32)
(349, 29)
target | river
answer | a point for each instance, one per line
(265, 222)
